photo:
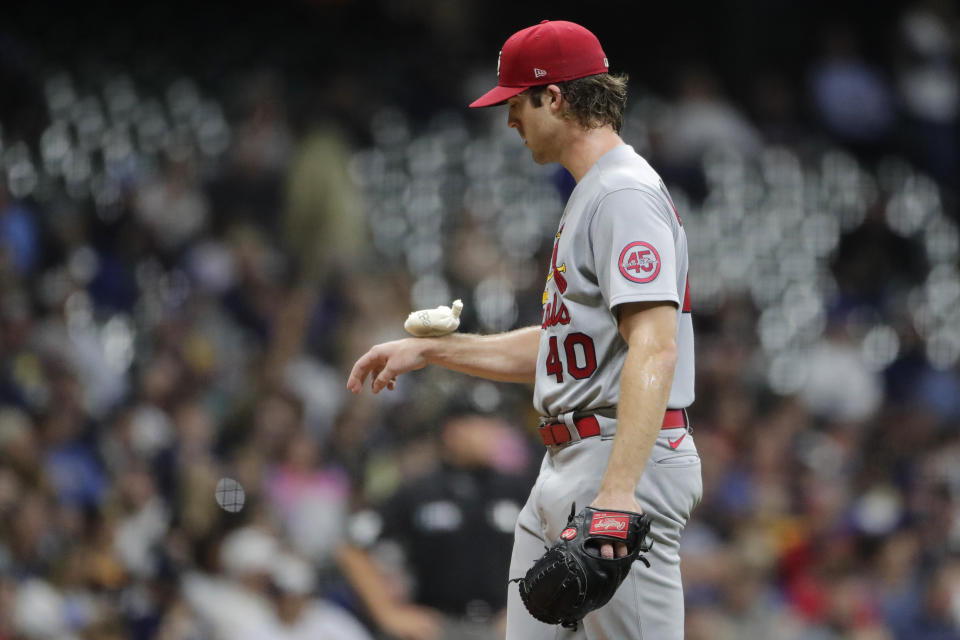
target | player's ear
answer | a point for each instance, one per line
(554, 97)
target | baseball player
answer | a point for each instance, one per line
(612, 360)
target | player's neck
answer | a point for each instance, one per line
(585, 147)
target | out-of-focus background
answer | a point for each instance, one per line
(208, 212)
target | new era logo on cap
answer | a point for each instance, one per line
(568, 50)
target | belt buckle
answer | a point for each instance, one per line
(554, 434)
(562, 430)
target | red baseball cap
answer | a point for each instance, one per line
(552, 51)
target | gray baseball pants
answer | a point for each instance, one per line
(649, 603)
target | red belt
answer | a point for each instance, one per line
(554, 433)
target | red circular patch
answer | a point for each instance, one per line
(569, 533)
(639, 262)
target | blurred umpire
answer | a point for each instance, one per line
(454, 527)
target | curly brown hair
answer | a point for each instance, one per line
(594, 101)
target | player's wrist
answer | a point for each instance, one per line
(616, 498)
(430, 349)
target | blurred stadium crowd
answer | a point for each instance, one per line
(187, 274)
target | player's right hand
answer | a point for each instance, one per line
(384, 362)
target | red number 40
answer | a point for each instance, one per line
(574, 356)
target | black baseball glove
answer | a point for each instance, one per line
(572, 579)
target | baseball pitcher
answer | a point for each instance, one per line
(612, 362)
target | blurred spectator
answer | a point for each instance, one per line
(776, 110)
(928, 79)
(310, 497)
(144, 523)
(250, 190)
(299, 616)
(72, 463)
(264, 142)
(237, 601)
(324, 225)
(19, 236)
(850, 95)
(704, 120)
(453, 522)
(266, 594)
(839, 388)
(171, 206)
(932, 615)
(39, 612)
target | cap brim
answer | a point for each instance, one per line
(497, 95)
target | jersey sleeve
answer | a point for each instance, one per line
(634, 248)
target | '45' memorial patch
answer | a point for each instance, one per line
(639, 262)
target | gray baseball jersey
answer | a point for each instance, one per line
(620, 240)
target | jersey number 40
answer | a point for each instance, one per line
(581, 358)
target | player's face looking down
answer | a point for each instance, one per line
(541, 127)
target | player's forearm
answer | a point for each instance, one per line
(504, 357)
(644, 391)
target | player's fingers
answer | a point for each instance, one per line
(359, 372)
(383, 378)
(374, 373)
(621, 549)
(606, 551)
(392, 384)
(355, 380)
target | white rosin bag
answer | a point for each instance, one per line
(427, 323)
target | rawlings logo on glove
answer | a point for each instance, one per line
(572, 579)
(610, 524)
